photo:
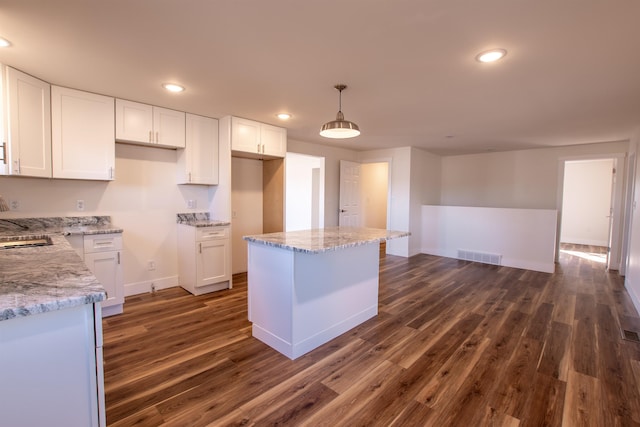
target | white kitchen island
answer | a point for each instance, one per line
(307, 287)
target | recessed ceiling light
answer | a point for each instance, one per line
(172, 87)
(491, 55)
(283, 116)
(4, 42)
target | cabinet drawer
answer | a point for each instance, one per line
(102, 242)
(211, 233)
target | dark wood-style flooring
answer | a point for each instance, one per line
(455, 344)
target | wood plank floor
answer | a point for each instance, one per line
(455, 344)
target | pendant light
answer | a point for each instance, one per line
(340, 128)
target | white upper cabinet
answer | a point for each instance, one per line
(198, 161)
(148, 125)
(274, 140)
(257, 140)
(26, 144)
(245, 135)
(134, 122)
(169, 127)
(83, 140)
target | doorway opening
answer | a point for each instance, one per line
(590, 219)
(304, 192)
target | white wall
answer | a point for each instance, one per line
(632, 278)
(301, 197)
(375, 188)
(512, 179)
(586, 202)
(426, 174)
(332, 157)
(247, 206)
(143, 200)
(447, 229)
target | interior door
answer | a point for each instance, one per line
(350, 213)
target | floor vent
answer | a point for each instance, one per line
(630, 335)
(483, 257)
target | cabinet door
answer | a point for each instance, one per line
(28, 102)
(212, 262)
(134, 122)
(168, 127)
(245, 135)
(83, 138)
(274, 140)
(107, 268)
(198, 162)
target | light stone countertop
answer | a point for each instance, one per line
(199, 219)
(325, 239)
(46, 278)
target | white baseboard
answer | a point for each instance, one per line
(146, 286)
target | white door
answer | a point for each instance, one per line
(349, 194)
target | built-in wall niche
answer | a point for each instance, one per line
(257, 203)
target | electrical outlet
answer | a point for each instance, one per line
(79, 205)
(192, 204)
(14, 205)
(234, 214)
(151, 265)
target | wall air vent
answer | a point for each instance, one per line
(483, 257)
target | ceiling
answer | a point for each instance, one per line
(571, 75)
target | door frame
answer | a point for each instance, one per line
(619, 205)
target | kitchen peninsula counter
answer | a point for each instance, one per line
(40, 279)
(308, 287)
(325, 239)
(50, 325)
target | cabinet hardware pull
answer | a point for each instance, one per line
(200, 244)
(157, 138)
(262, 148)
(189, 176)
(150, 136)
(258, 148)
(118, 257)
(4, 153)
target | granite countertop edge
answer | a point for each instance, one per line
(61, 279)
(325, 240)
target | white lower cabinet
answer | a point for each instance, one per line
(51, 369)
(204, 258)
(102, 255)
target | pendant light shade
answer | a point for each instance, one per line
(340, 128)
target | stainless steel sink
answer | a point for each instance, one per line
(24, 242)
